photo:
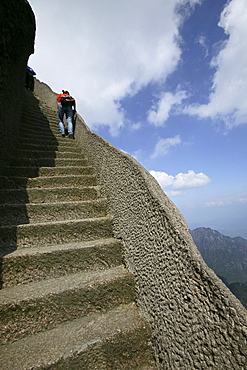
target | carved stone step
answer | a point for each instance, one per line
(47, 195)
(47, 171)
(49, 162)
(50, 140)
(48, 154)
(116, 339)
(16, 214)
(34, 264)
(54, 181)
(38, 306)
(48, 233)
(50, 147)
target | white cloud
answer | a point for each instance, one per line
(163, 146)
(181, 181)
(136, 126)
(227, 102)
(102, 51)
(163, 178)
(160, 111)
(202, 41)
(190, 180)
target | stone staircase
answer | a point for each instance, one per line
(66, 302)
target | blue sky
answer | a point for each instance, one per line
(166, 82)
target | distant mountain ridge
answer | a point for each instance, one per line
(236, 227)
(226, 256)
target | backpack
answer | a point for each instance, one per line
(67, 101)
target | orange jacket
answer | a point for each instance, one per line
(59, 97)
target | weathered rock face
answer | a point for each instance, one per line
(17, 24)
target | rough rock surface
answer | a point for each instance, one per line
(17, 24)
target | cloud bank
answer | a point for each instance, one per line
(104, 51)
(227, 100)
(120, 47)
(181, 181)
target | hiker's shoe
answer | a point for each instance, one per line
(63, 135)
(70, 136)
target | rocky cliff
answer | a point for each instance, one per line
(17, 24)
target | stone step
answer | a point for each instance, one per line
(25, 133)
(47, 171)
(43, 112)
(49, 233)
(34, 128)
(47, 195)
(44, 133)
(54, 181)
(34, 264)
(38, 306)
(16, 214)
(117, 339)
(39, 117)
(48, 133)
(48, 162)
(48, 154)
(42, 147)
(39, 122)
(51, 140)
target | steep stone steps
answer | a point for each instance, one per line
(49, 147)
(65, 288)
(53, 181)
(47, 233)
(47, 195)
(37, 306)
(13, 213)
(117, 339)
(33, 264)
(47, 171)
(36, 130)
(48, 162)
(53, 137)
(56, 140)
(48, 154)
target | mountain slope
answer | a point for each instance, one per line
(226, 256)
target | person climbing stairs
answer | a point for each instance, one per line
(67, 301)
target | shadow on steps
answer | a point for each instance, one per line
(37, 147)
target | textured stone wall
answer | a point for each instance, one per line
(196, 321)
(43, 90)
(17, 25)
